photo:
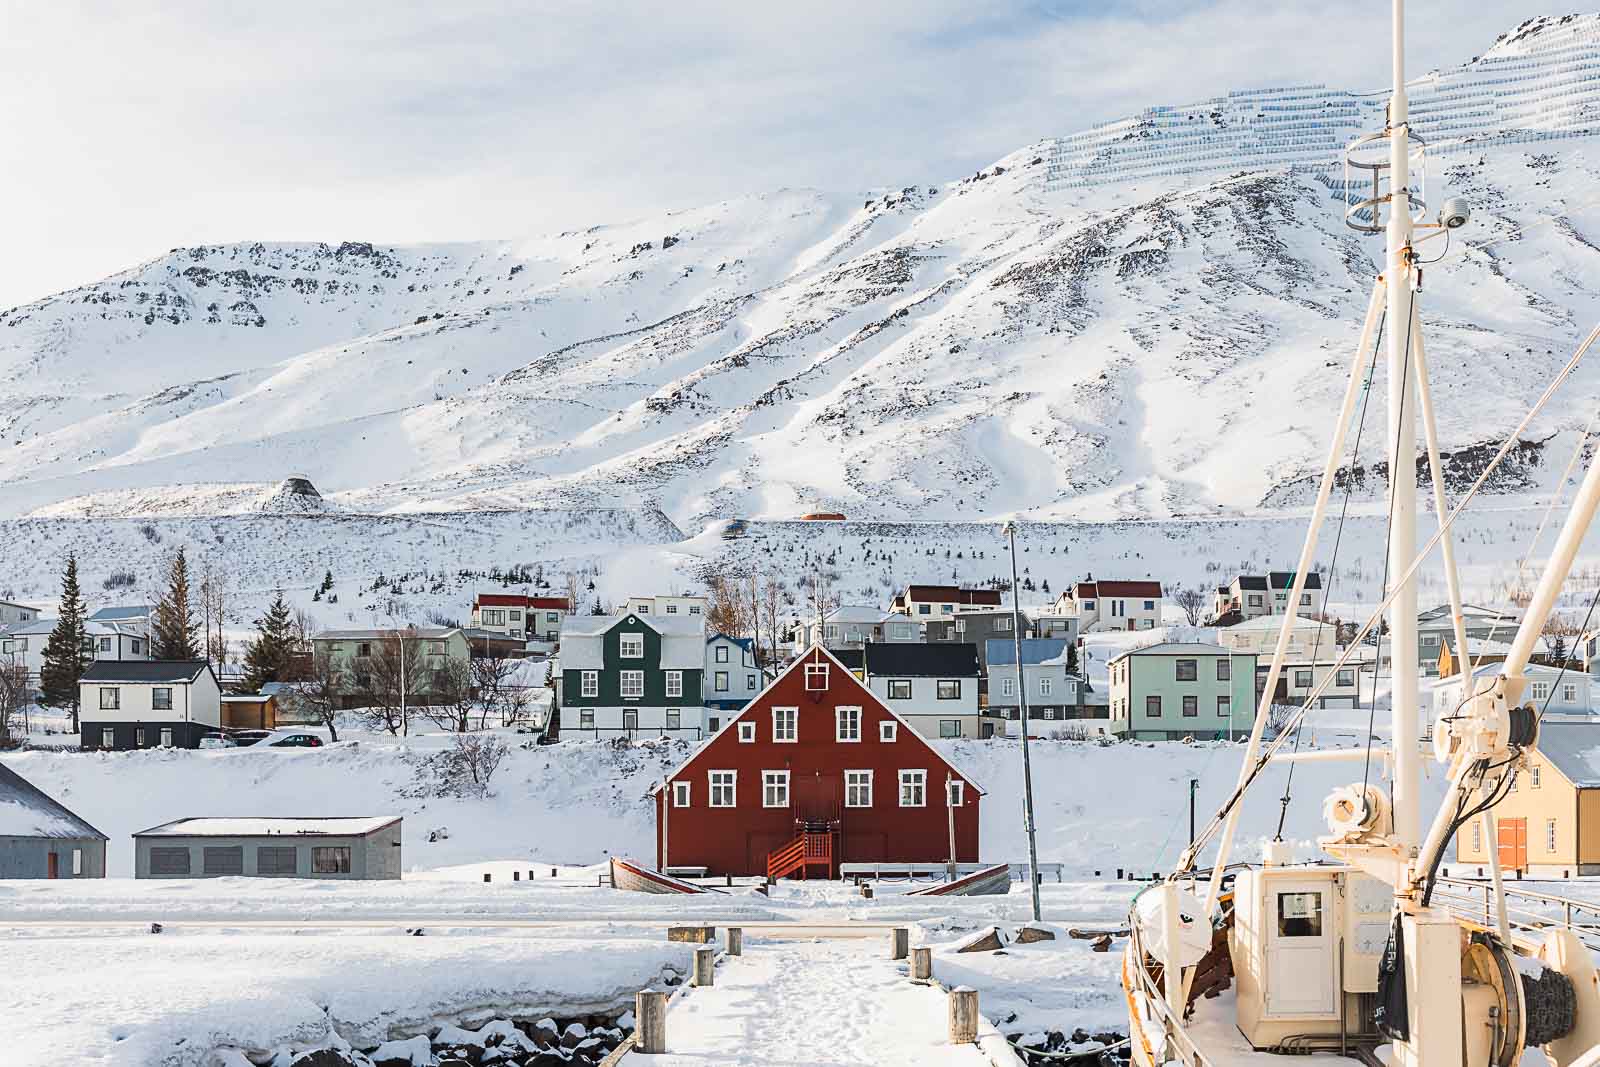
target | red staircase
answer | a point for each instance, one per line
(808, 849)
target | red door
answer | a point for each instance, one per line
(1513, 835)
(816, 797)
(54, 866)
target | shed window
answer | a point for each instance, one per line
(77, 862)
(276, 860)
(330, 859)
(723, 785)
(223, 859)
(161, 698)
(169, 861)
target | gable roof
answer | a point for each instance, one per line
(131, 611)
(136, 671)
(742, 642)
(683, 645)
(1285, 580)
(1097, 589)
(946, 659)
(272, 826)
(848, 679)
(847, 613)
(1274, 623)
(1470, 611)
(28, 811)
(1179, 648)
(952, 593)
(1574, 749)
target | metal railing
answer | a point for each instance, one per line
(632, 733)
(1148, 1010)
(1528, 913)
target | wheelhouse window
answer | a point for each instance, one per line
(899, 689)
(913, 789)
(858, 789)
(774, 789)
(785, 725)
(1299, 914)
(722, 787)
(1302, 679)
(1345, 678)
(847, 724)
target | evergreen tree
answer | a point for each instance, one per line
(64, 655)
(266, 656)
(175, 629)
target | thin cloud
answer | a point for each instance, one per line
(133, 131)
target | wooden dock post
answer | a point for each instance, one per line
(736, 941)
(921, 964)
(650, 1018)
(705, 965)
(963, 1015)
(487, 876)
(866, 891)
(899, 942)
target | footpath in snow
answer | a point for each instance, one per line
(812, 1002)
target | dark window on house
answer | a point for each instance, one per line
(1191, 706)
(223, 859)
(1224, 669)
(1149, 605)
(110, 699)
(161, 698)
(363, 650)
(138, 737)
(949, 727)
(108, 738)
(330, 859)
(949, 689)
(1302, 679)
(1152, 707)
(630, 718)
(1346, 678)
(169, 861)
(1188, 670)
(899, 689)
(276, 859)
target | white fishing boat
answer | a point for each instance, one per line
(1368, 952)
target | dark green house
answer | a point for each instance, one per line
(632, 676)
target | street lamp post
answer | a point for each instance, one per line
(1022, 705)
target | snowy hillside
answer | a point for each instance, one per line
(1165, 348)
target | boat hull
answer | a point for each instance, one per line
(991, 881)
(637, 878)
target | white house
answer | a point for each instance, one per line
(516, 615)
(933, 687)
(635, 675)
(23, 645)
(732, 678)
(1250, 596)
(1552, 691)
(670, 606)
(1309, 638)
(132, 617)
(1298, 680)
(853, 625)
(148, 704)
(932, 601)
(11, 614)
(1113, 605)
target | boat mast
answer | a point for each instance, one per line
(1402, 547)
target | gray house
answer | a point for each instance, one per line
(39, 838)
(331, 848)
(981, 627)
(1052, 692)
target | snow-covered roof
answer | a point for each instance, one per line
(127, 612)
(271, 827)
(1180, 648)
(137, 671)
(1483, 646)
(1574, 748)
(1002, 652)
(1274, 623)
(27, 811)
(847, 613)
(91, 628)
(683, 645)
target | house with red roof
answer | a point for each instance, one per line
(1113, 605)
(815, 772)
(530, 618)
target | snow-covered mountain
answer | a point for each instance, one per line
(1123, 324)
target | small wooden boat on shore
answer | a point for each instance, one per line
(989, 882)
(636, 877)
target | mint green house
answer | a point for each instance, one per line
(1182, 689)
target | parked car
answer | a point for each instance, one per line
(245, 738)
(218, 741)
(291, 739)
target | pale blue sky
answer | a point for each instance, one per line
(131, 129)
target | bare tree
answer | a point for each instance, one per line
(393, 680)
(572, 592)
(453, 697)
(319, 687)
(1192, 601)
(477, 757)
(770, 611)
(727, 610)
(494, 678)
(14, 696)
(213, 612)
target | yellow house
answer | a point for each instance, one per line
(1549, 825)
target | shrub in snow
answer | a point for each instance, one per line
(465, 769)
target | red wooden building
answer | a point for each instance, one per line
(814, 772)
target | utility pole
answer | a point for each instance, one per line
(950, 817)
(1194, 784)
(1022, 704)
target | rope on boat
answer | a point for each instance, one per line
(1068, 1055)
